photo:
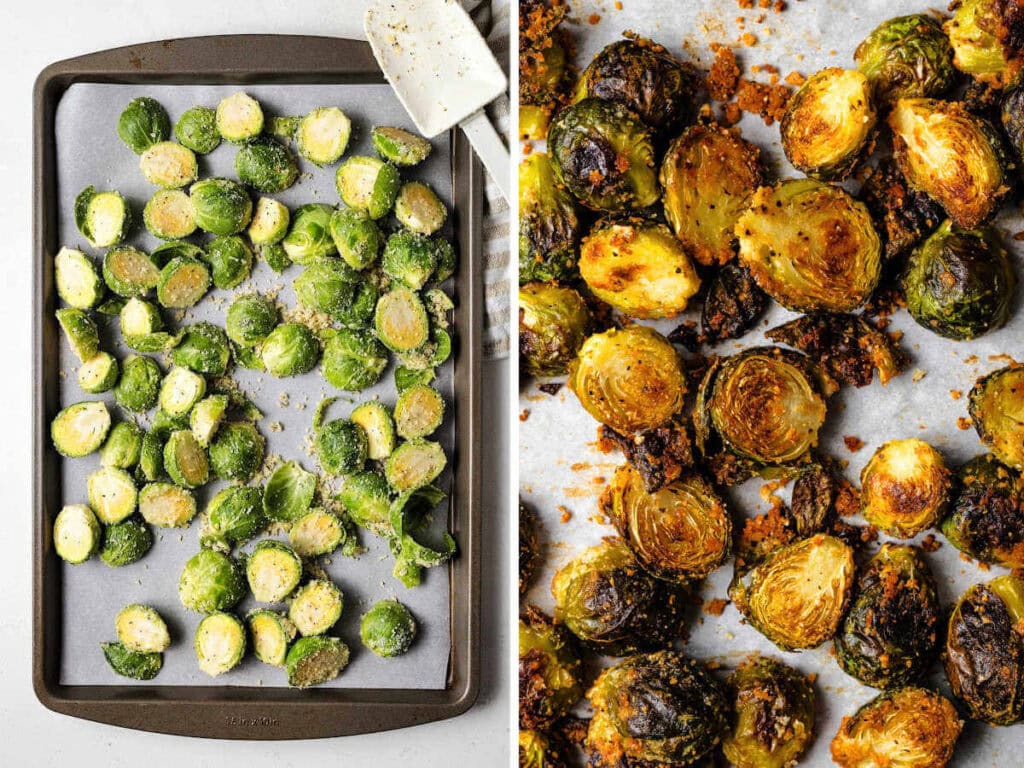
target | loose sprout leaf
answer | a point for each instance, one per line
(289, 492)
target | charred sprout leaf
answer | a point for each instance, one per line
(903, 216)
(530, 554)
(986, 518)
(550, 671)
(655, 709)
(908, 728)
(813, 500)
(889, 637)
(907, 57)
(553, 323)
(996, 406)
(660, 454)
(543, 72)
(905, 487)
(548, 225)
(733, 303)
(988, 40)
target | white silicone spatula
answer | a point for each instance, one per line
(442, 71)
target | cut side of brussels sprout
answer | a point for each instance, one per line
(129, 272)
(356, 236)
(103, 218)
(169, 215)
(169, 165)
(388, 629)
(316, 607)
(907, 57)
(235, 514)
(316, 533)
(315, 660)
(289, 492)
(125, 543)
(183, 282)
(143, 123)
(141, 629)
(270, 633)
(550, 670)
(996, 406)
(204, 349)
(181, 390)
(139, 386)
(76, 534)
(206, 416)
(553, 324)
(366, 498)
(1012, 114)
(986, 40)
(368, 184)
(269, 223)
(414, 464)
(197, 130)
(905, 487)
(185, 460)
(273, 571)
(123, 446)
(266, 165)
(132, 664)
(341, 447)
(78, 281)
(80, 429)
(309, 237)
(290, 349)
(400, 146)
(418, 208)
(379, 426)
(283, 126)
(322, 135)
(401, 320)
(236, 451)
(222, 206)
(99, 373)
(211, 581)
(166, 506)
(219, 643)
(112, 494)
(239, 118)
(139, 318)
(419, 411)
(81, 332)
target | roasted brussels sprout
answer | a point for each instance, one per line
(309, 237)
(317, 532)
(220, 643)
(630, 379)
(289, 350)
(773, 715)
(419, 412)
(169, 506)
(76, 533)
(99, 373)
(270, 221)
(414, 464)
(639, 268)
(908, 728)
(239, 118)
(604, 155)
(907, 57)
(366, 498)
(270, 633)
(315, 660)
(905, 487)
(368, 184)
(81, 332)
(376, 420)
(996, 406)
(129, 272)
(1012, 114)
(400, 146)
(829, 123)
(353, 360)
(797, 595)
(112, 494)
(732, 304)
(681, 532)
(550, 671)
(986, 518)
(615, 607)
(222, 206)
(388, 628)
(266, 164)
(211, 581)
(953, 156)
(655, 709)
(126, 542)
(889, 636)
(341, 446)
(121, 450)
(401, 321)
(810, 246)
(142, 124)
(139, 386)
(548, 225)
(536, 749)
(103, 218)
(322, 135)
(985, 651)
(273, 570)
(553, 323)
(903, 215)
(185, 460)
(544, 74)
(169, 165)
(203, 349)
(642, 76)
(237, 451)
(409, 259)
(960, 283)
(988, 40)
(197, 130)
(230, 259)
(316, 607)
(356, 236)
(530, 553)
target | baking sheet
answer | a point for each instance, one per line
(90, 152)
(561, 468)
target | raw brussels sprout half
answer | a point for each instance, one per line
(235, 514)
(203, 349)
(126, 542)
(143, 123)
(183, 283)
(270, 221)
(388, 628)
(230, 260)
(197, 130)
(270, 633)
(239, 118)
(151, 457)
(907, 57)
(401, 321)
(332, 287)
(236, 451)
(289, 492)
(905, 487)
(356, 236)
(290, 349)
(810, 246)
(167, 506)
(399, 146)
(553, 323)
(139, 319)
(317, 532)
(167, 252)
(418, 208)
(283, 126)
(169, 165)
(419, 412)
(316, 607)
(99, 373)
(550, 671)
(273, 571)
(341, 446)
(986, 518)
(77, 534)
(353, 360)
(103, 218)
(266, 165)
(322, 135)
(219, 643)
(139, 386)
(211, 581)
(141, 628)
(129, 272)
(986, 38)
(379, 426)
(132, 664)
(798, 594)
(604, 155)
(614, 606)
(222, 206)
(315, 660)
(549, 228)
(250, 319)
(414, 464)
(185, 460)
(368, 184)
(77, 279)
(112, 494)
(80, 331)
(996, 405)
(366, 497)
(180, 390)
(123, 446)
(639, 268)
(309, 237)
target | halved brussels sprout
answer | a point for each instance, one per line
(419, 411)
(185, 460)
(250, 319)
(230, 259)
(639, 268)
(315, 660)
(655, 709)
(732, 304)
(290, 349)
(151, 456)
(103, 218)
(81, 332)
(445, 260)
(905, 487)
(123, 446)
(211, 581)
(996, 406)
(76, 533)
(550, 671)
(204, 349)
(180, 390)
(630, 380)
(316, 607)
(340, 446)
(1012, 114)
(77, 279)
(197, 129)
(140, 628)
(266, 164)
(401, 320)
(810, 246)
(681, 532)
(143, 123)
(418, 208)
(409, 259)
(334, 288)
(139, 386)
(604, 155)
(414, 464)
(317, 532)
(709, 175)
(889, 637)
(353, 360)
(356, 236)
(219, 643)
(829, 123)
(239, 118)
(544, 74)
(388, 628)
(222, 206)
(379, 426)
(553, 323)
(536, 749)
(614, 606)
(368, 184)
(797, 595)
(132, 664)
(289, 492)
(530, 552)
(309, 237)
(167, 506)
(237, 451)
(283, 126)
(169, 165)
(548, 225)
(270, 633)
(366, 497)
(953, 156)
(907, 57)
(139, 318)
(406, 377)
(399, 146)
(960, 283)
(273, 571)
(129, 272)
(235, 514)
(986, 518)
(112, 494)
(126, 542)
(270, 221)
(986, 37)
(99, 373)
(322, 135)
(773, 715)
(80, 429)
(183, 283)
(985, 651)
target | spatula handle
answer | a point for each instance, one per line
(490, 149)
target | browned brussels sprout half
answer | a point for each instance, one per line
(630, 379)
(553, 323)
(709, 175)
(681, 532)
(953, 156)
(548, 225)
(642, 76)
(1013, 119)
(732, 305)
(996, 406)
(550, 671)
(639, 268)
(908, 728)
(988, 39)
(796, 596)
(655, 709)
(905, 487)
(529, 547)
(615, 607)
(889, 636)
(604, 155)
(985, 651)
(903, 215)
(810, 246)
(960, 283)
(986, 519)
(773, 715)
(543, 72)
(828, 123)
(538, 750)
(907, 57)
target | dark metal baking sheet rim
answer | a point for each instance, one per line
(249, 712)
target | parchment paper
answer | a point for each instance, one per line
(559, 434)
(90, 152)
